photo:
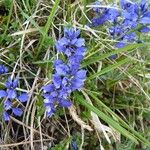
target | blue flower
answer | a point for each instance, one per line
(3, 94)
(6, 116)
(10, 94)
(145, 20)
(144, 6)
(117, 31)
(120, 44)
(130, 37)
(23, 97)
(8, 105)
(48, 88)
(113, 14)
(71, 33)
(78, 80)
(123, 20)
(68, 76)
(61, 67)
(11, 86)
(3, 69)
(70, 42)
(145, 29)
(97, 21)
(74, 145)
(17, 111)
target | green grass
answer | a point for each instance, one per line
(117, 91)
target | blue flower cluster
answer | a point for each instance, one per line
(124, 20)
(3, 69)
(9, 95)
(68, 75)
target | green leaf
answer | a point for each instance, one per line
(48, 24)
(95, 59)
(109, 68)
(123, 123)
(106, 118)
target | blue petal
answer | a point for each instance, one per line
(99, 20)
(15, 83)
(3, 94)
(71, 33)
(64, 92)
(3, 69)
(7, 105)
(57, 80)
(120, 45)
(23, 97)
(63, 41)
(144, 5)
(147, 14)
(74, 145)
(17, 111)
(80, 42)
(65, 81)
(60, 48)
(65, 103)
(113, 14)
(145, 20)
(49, 99)
(77, 84)
(11, 94)
(81, 51)
(68, 51)
(58, 62)
(145, 29)
(60, 45)
(6, 116)
(54, 94)
(50, 110)
(9, 83)
(75, 59)
(48, 88)
(61, 69)
(130, 37)
(81, 74)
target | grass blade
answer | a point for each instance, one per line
(106, 118)
(110, 68)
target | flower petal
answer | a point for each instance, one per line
(57, 80)
(3, 94)
(120, 45)
(65, 103)
(145, 29)
(81, 74)
(7, 105)
(6, 116)
(145, 20)
(17, 111)
(12, 94)
(23, 97)
(48, 88)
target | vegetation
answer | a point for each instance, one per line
(111, 111)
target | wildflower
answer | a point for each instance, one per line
(110, 14)
(70, 42)
(3, 69)
(68, 76)
(74, 144)
(122, 20)
(9, 95)
(145, 29)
